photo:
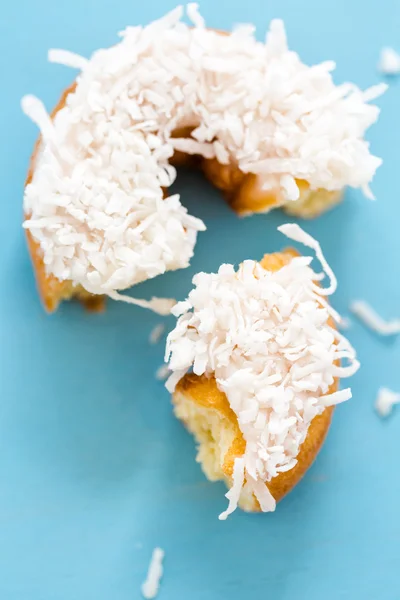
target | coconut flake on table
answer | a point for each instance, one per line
(95, 204)
(385, 401)
(344, 323)
(268, 339)
(67, 58)
(373, 320)
(151, 586)
(156, 333)
(163, 372)
(389, 62)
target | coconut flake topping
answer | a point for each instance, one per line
(95, 204)
(268, 338)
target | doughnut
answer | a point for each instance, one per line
(255, 366)
(265, 128)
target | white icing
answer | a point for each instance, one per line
(268, 339)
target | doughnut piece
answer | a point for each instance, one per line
(267, 130)
(206, 413)
(265, 359)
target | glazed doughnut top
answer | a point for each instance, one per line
(96, 204)
(268, 339)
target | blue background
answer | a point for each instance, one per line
(94, 470)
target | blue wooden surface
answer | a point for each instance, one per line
(94, 470)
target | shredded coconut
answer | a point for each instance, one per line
(161, 306)
(156, 333)
(162, 373)
(68, 59)
(152, 584)
(296, 233)
(95, 204)
(344, 323)
(389, 62)
(268, 339)
(385, 401)
(371, 319)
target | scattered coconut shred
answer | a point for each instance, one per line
(385, 401)
(96, 204)
(152, 584)
(268, 339)
(389, 62)
(162, 373)
(156, 333)
(371, 319)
